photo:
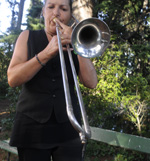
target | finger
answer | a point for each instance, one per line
(65, 42)
(71, 49)
(64, 36)
(60, 23)
(64, 49)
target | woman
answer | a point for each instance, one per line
(41, 126)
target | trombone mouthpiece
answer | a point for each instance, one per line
(54, 19)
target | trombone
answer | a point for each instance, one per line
(90, 38)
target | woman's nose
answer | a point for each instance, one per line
(56, 12)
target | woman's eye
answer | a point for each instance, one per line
(64, 9)
(51, 7)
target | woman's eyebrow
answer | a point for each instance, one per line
(60, 5)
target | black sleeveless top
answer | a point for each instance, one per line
(45, 91)
(41, 120)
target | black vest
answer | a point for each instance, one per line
(45, 91)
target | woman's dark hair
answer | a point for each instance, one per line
(70, 4)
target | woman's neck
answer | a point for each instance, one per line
(49, 35)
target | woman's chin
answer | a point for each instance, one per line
(51, 30)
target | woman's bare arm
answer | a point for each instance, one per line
(87, 72)
(22, 70)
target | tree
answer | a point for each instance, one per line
(82, 9)
(134, 103)
(35, 20)
(135, 109)
(21, 6)
(8, 39)
(4, 61)
(126, 58)
(17, 12)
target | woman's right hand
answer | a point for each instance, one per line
(52, 48)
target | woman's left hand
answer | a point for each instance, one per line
(64, 29)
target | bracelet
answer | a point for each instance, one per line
(39, 61)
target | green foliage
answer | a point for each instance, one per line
(7, 42)
(103, 101)
(123, 71)
(135, 110)
(120, 157)
(110, 76)
(97, 150)
(4, 60)
(12, 95)
(3, 88)
(6, 48)
(101, 151)
(35, 20)
(121, 99)
(7, 123)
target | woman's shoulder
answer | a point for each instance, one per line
(24, 35)
(27, 32)
(34, 33)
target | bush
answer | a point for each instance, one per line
(97, 151)
(3, 88)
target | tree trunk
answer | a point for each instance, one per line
(20, 14)
(82, 9)
(13, 22)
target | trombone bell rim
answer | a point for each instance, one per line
(90, 38)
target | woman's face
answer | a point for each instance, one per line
(59, 9)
